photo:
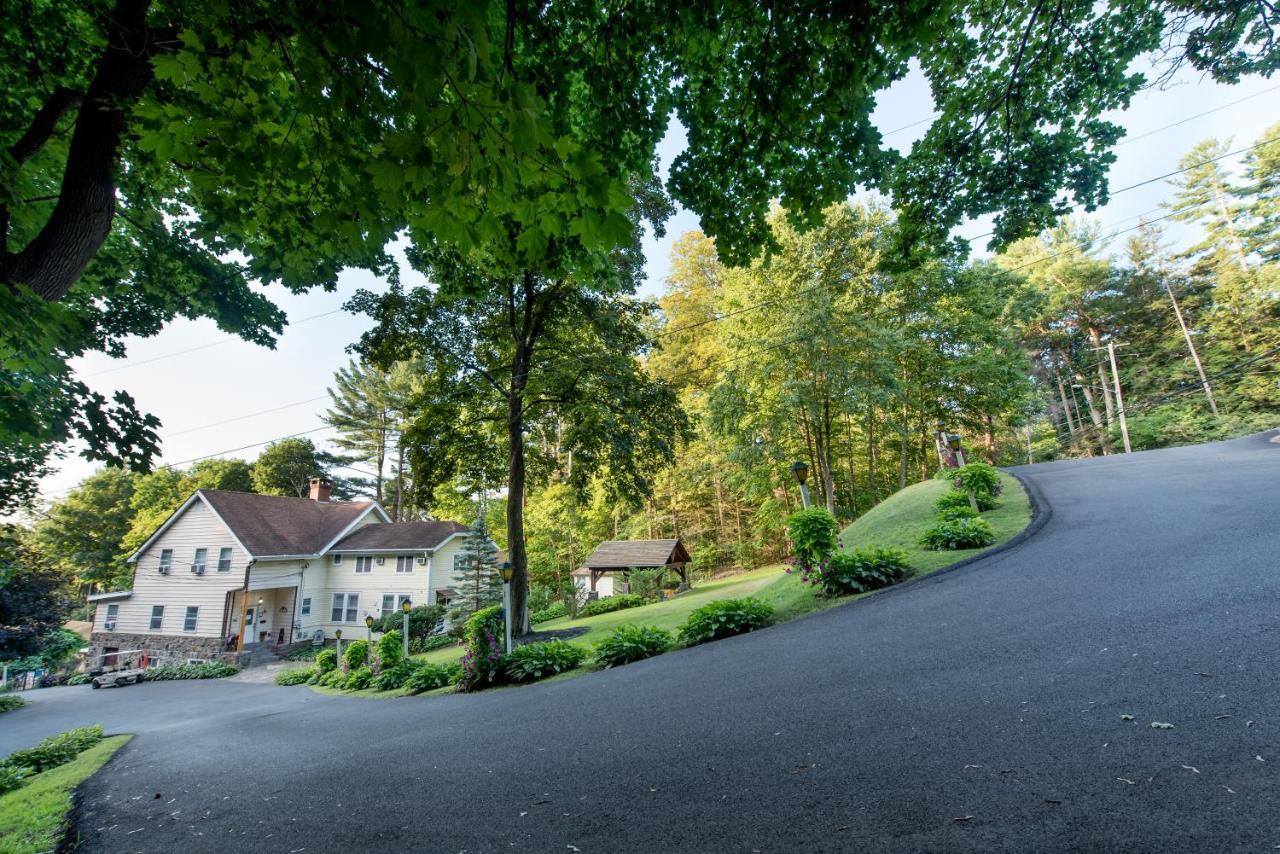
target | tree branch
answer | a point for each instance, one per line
(46, 119)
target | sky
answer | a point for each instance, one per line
(219, 396)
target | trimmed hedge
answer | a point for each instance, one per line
(610, 604)
(628, 643)
(725, 618)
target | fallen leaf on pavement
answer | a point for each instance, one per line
(972, 766)
(1161, 725)
(962, 818)
(1192, 768)
(1229, 789)
(1125, 780)
(1126, 717)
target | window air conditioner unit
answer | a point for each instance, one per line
(381, 560)
(109, 627)
(165, 569)
(422, 560)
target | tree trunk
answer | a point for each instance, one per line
(989, 438)
(871, 455)
(1103, 380)
(81, 219)
(515, 494)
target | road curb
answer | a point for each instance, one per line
(1041, 513)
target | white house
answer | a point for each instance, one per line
(235, 570)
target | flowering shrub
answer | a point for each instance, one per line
(295, 676)
(725, 618)
(326, 660)
(865, 569)
(482, 659)
(610, 604)
(626, 644)
(535, 661)
(961, 533)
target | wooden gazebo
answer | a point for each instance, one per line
(625, 555)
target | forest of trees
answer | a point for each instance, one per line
(833, 348)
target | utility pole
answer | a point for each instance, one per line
(1195, 357)
(1115, 377)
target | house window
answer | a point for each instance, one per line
(189, 621)
(112, 611)
(336, 559)
(441, 599)
(157, 617)
(198, 562)
(224, 559)
(392, 602)
(306, 606)
(457, 563)
(364, 563)
(404, 563)
(166, 560)
(346, 607)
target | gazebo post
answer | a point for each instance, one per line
(684, 579)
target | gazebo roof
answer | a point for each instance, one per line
(637, 554)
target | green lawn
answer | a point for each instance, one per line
(896, 522)
(33, 818)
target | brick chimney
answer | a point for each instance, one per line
(321, 488)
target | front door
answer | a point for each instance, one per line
(250, 620)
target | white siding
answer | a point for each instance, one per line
(197, 527)
(604, 586)
(442, 574)
(323, 579)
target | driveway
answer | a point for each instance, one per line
(982, 709)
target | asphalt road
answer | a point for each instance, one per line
(978, 710)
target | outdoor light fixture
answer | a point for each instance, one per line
(953, 441)
(801, 471)
(337, 634)
(506, 572)
(406, 606)
(368, 621)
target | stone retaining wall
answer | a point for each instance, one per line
(178, 647)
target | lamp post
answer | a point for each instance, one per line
(953, 441)
(939, 440)
(801, 471)
(406, 606)
(337, 644)
(368, 624)
(506, 572)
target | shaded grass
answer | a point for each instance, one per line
(34, 817)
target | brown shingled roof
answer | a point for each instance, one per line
(270, 525)
(625, 554)
(399, 536)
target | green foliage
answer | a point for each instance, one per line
(287, 466)
(58, 647)
(83, 531)
(422, 621)
(56, 749)
(326, 659)
(482, 654)
(12, 777)
(958, 533)
(296, 676)
(554, 611)
(477, 579)
(335, 678)
(610, 604)
(417, 646)
(303, 653)
(358, 679)
(9, 702)
(958, 511)
(391, 678)
(79, 679)
(864, 570)
(983, 479)
(628, 643)
(432, 676)
(958, 499)
(725, 618)
(390, 649)
(201, 670)
(813, 535)
(355, 654)
(33, 598)
(534, 661)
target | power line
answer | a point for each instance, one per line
(1130, 139)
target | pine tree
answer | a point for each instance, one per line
(477, 578)
(1262, 192)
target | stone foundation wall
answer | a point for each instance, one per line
(178, 647)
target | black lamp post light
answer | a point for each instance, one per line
(801, 470)
(406, 606)
(506, 571)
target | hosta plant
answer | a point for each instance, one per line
(863, 570)
(950, 535)
(725, 618)
(627, 643)
(535, 661)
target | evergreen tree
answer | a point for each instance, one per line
(1262, 192)
(478, 582)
